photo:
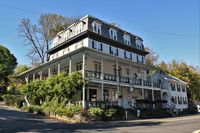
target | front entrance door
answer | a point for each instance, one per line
(92, 95)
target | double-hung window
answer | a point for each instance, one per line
(113, 34)
(96, 27)
(127, 39)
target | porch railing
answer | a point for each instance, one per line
(137, 82)
(101, 104)
(146, 83)
(93, 74)
(123, 79)
(109, 77)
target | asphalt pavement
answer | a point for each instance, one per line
(16, 121)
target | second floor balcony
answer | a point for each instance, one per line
(92, 75)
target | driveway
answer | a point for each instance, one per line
(13, 121)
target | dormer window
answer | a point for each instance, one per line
(96, 27)
(113, 34)
(139, 44)
(79, 27)
(127, 39)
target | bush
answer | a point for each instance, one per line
(154, 113)
(84, 112)
(113, 113)
(188, 111)
(110, 114)
(33, 109)
(19, 101)
(13, 100)
(9, 99)
(95, 112)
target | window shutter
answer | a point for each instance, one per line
(92, 43)
(101, 45)
(117, 52)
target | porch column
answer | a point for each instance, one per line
(88, 94)
(83, 74)
(33, 76)
(142, 93)
(70, 65)
(40, 75)
(102, 77)
(26, 79)
(141, 73)
(58, 68)
(118, 89)
(153, 98)
(49, 72)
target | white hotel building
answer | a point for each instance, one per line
(111, 59)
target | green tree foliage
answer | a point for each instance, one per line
(8, 63)
(60, 87)
(186, 73)
(20, 68)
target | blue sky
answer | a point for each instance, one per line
(170, 27)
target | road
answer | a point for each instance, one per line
(13, 121)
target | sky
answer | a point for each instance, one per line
(171, 27)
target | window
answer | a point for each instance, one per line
(79, 27)
(96, 27)
(97, 67)
(127, 39)
(113, 51)
(117, 53)
(178, 87)
(179, 100)
(130, 56)
(127, 72)
(183, 88)
(125, 55)
(139, 44)
(113, 34)
(173, 87)
(97, 45)
(78, 66)
(140, 58)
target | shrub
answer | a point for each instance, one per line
(13, 100)
(9, 99)
(75, 108)
(84, 112)
(110, 114)
(33, 109)
(95, 112)
(19, 101)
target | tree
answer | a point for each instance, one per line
(163, 66)
(8, 63)
(152, 57)
(39, 36)
(20, 68)
(15, 83)
(61, 87)
(186, 73)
